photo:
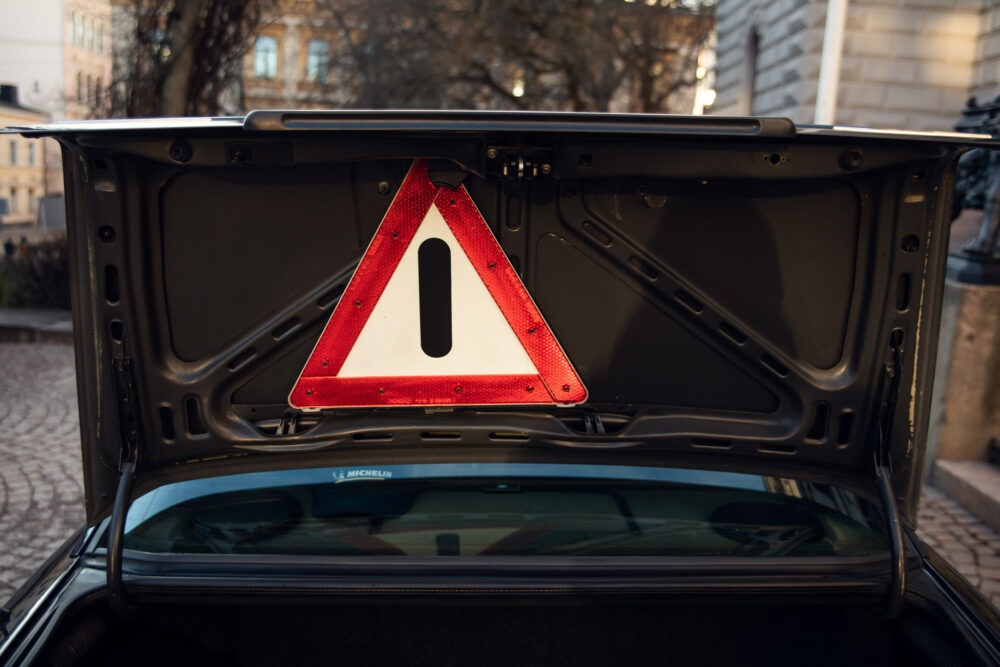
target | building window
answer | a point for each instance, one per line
(13, 201)
(89, 90)
(79, 86)
(78, 31)
(265, 57)
(72, 27)
(317, 60)
(90, 34)
(33, 201)
(98, 91)
(13, 152)
(32, 154)
(100, 38)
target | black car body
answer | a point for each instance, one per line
(742, 298)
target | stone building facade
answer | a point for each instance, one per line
(986, 73)
(58, 54)
(22, 166)
(86, 55)
(908, 64)
(289, 64)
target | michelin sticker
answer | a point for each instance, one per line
(355, 474)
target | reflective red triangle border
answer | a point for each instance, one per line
(318, 385)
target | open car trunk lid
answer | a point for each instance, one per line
(735, 293)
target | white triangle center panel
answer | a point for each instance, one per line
(482, 341)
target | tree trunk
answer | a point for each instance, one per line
(174, 96)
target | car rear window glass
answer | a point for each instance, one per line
(504, 510)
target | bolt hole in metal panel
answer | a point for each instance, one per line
(286, 328)
(774, 365)
(903, 292)
(896, 338)
(331, 297)
(688, 301)
(514, 213)
(711, 443)
(735, 334)
(167, 423)
(509, 436)
(787, 450)
(844, 428)
(372, 437)
(440, 435)
(644, 268)
(821, 416)
(910, 243)
(194, 424)
(596, 234)
(242, 359)
(112, 289)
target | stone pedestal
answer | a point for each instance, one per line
(967, 388)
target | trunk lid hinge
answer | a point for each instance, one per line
(519, 164)
(124, 380)
(889, 391)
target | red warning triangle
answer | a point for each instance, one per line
(492, 346)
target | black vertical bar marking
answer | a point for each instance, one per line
(434, 273)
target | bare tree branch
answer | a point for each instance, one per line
(182, 57)
(186, 56)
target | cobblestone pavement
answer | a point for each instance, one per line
(41, 489)
(41, 493)
(972, 547)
